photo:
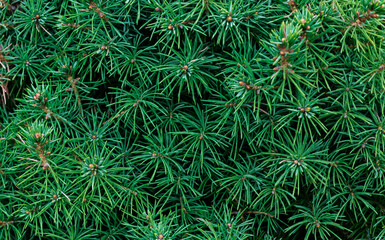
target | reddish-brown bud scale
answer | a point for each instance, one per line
(229, 19)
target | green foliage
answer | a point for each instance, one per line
(200, 119)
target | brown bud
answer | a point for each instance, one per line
(157, 9)
(101, 15)
(308, 109)
(84, 200)
(37, 16)
(103, 47)
(303, 21)
(38, 135)
(132, 60)
(295, 162)
(283, 40)
(94, 137)
(135, 104)
(308, 28)
(160, 236)
(201, 137)
(37, 96)
(45, 167)
(91, 165)
(363, 145)
(185, 67)
(276, 68)
(154, 155)
(302, 109)
(170, 27)
(49, 152)
(47, 116)
(380, 128)
(345, 115)
(68, 89)
(318, 225)
(274, 58)
(248, 87)
(28, 212)
(27, 63)
(229, 225)
(229, 19)
(147, 217)
(54, 197)
(347, 89)
(282, 52)
(241, 83)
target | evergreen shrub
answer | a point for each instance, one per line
(192, 119)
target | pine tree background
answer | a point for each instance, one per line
(198, 119)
